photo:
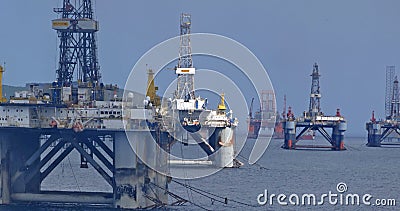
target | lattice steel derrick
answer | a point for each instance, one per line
(185, 86)
(78, 51)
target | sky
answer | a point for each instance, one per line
(352, 41)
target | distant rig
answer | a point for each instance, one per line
(261, 123)
(41, 126)
(314, 120)
(387, 131)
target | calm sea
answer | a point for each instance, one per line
(364, 170)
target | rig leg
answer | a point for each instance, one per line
(290, 135)
(5, 171)
(338, 136)
(374, 134)
(137, 185)
(125, 190)
(223, 142)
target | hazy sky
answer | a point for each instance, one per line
(352, 41)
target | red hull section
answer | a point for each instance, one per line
(278, 132)
(308, 136)
(254, 128)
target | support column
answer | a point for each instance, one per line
(290, 134)
(374, 134)
(225, 154)
(23, 144)
(125, 162)
(338, 135)
(152, 172)
(5, 170)
(137, 184)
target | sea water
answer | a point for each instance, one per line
(363, 170)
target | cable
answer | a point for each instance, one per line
(212, 194)
(157, 199)
(73, 173)
(174, 195)
(256, 164)
(224, 201)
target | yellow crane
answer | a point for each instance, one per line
(2, 98)
(221, 105)
(152, 89)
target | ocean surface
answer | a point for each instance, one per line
(364, 170)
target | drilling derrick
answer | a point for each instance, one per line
(395, 103)
(268, 113)
(185, 70)
(314, 108)
(387, 132)
(390, 71)
(77, 49)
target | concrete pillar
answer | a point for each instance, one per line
(223, 143)
(125, 163)
(374, 134)
(154, 183)
(225, 154)
(338, 135)
(5, 173)
(137, 174)
(290, 134)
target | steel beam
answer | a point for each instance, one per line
(98, 168)
(305, 129)
(55, 163)
(98, 155)
(385, 134)
(30, 172)
(325, 134)
(103, 146)
(42, 148)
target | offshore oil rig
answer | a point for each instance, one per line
(387, 131)
(41, 126)
(212, 130)
(262, 123)
(314, 120)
